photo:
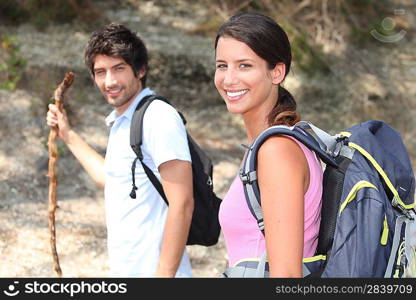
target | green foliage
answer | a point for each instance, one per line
(44, 12)
(11, 63)
(307, 57)
(10, 11)
(209, 27)
(363, 16)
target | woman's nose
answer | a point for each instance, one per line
(230, 77)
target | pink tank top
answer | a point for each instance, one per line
(242, 236)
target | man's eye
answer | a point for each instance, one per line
(99, 73)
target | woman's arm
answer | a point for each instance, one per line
(283, 176)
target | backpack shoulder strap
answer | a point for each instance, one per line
(136, 127)
(248, 172)
(136, 140)
(329, 143)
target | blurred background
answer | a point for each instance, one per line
(353, 60)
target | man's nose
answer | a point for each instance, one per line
(110, 79)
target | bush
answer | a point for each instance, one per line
(11, 64)
(45, 12)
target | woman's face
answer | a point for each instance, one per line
(243, 79)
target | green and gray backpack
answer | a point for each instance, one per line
(368, 226)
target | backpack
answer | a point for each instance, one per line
(205, 228)
(368, 226)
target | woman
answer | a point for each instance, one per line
(253, 57)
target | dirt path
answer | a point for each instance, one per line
(81, 232)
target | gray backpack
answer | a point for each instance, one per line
(368, 226)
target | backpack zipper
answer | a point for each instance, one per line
(353, 193)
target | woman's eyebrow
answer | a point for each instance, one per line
(238, 60)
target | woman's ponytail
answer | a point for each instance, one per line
(284, 113)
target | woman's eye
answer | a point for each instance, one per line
(221, 66)
(245, 66)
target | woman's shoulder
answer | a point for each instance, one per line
(281, 146)
(282, 160)
(281, 151)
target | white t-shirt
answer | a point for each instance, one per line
(135, 226)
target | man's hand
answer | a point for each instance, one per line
(56, 118)
(90, 159)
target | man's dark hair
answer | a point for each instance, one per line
(116, 40)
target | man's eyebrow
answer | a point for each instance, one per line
(112, 67)
(119, 64)
(97, 69)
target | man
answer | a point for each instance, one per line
(145, 237)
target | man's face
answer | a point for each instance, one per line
(116, 81)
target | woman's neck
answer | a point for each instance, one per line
(256, 120)
(255, 123)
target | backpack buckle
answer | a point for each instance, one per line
(341, 141)
(398, 205)
(260, 223)
(248, 177)
(209, 181)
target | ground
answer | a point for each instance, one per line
(371, 82)
(80, 223)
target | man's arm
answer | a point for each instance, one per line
(90, 159)
(177, 184)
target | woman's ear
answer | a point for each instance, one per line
(278, 73)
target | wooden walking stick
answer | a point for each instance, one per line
(53, 156)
